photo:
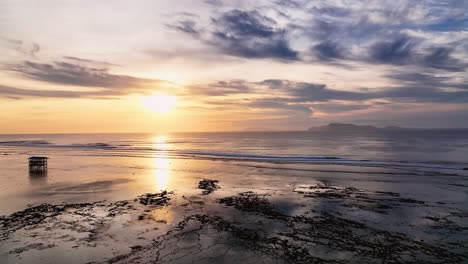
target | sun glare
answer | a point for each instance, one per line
(160, 103)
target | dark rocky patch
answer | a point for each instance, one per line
(34, 215)
(378, 202)
(322, 239)
(154, 199)
(208, 186)
(37, 214)
(342, 236)
(120, 207)
(251, 202)
(257, 232)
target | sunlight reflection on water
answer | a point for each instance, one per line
(161, 162)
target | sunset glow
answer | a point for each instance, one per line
(218, 131)
(160, 103)
(155, 66)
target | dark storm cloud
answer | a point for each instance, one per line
(62, 72)
(399, 51)
(440, 58)
(332, 33)
(249, 34)
(246, 34)
(329, 51)
(405, 50)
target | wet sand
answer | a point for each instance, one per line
(217, 222)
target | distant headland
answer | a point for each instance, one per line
(366, 128)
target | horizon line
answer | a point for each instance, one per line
(207, 132)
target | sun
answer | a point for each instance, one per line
(161, 103)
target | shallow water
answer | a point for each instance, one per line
(410, 183)
(91, 167)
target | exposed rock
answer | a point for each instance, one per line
(154, 199)
(208, 186)
(325, 238)
(251, 202)
(378, 202)
(32, 216)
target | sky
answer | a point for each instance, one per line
(74, 66)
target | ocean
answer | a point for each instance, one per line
(382, 183)
(114, 161)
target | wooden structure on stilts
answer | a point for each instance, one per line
(38, 164)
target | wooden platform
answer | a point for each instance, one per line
(38, 163)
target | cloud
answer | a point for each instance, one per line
(62, 72)
(90, 62)
(249, 34)
(279, 103)
(329, 51)
(188, 26)
(411, 79)
(290, 3)
(440, 58)
(246, 34)
(18, 93)
(405, 50)
(220, 88)
(414, 91)
(302, 96)
(398, 34)
(313, 92)
(214, 2)
(340, 107)
(423, 95)
(399, 51)
(30, 49)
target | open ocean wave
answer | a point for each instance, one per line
(30, 143)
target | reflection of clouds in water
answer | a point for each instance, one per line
(161, 163)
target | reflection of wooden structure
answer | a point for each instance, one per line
(37, 163)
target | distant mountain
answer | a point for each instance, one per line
(352, 127)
